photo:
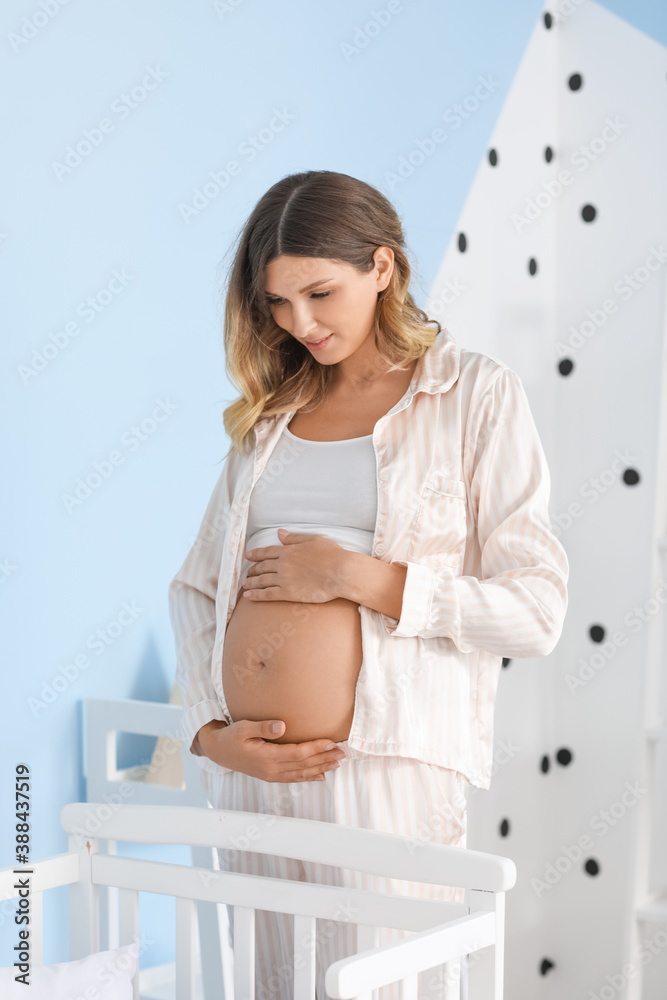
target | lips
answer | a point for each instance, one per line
(317, 345)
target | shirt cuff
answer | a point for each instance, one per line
(417, 600)
(196, 717)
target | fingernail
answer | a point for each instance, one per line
(276, 727)
(330, 746)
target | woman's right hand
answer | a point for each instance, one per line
(244, 746)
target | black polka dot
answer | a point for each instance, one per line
(592, 867)
(504, 828)
(506, 661)
(548, 20)
(532, 266)
(588, 213)
(575, 81)
(597, 633)
(544, 764)
(565, 366)
(545, 965)
(564, 756)
(630, 477)
(493, 157)
(463, 243)
(548, 154)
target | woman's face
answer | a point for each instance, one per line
(314, 298)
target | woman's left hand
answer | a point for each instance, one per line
(309, 569)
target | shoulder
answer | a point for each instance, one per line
(474, 372)
(483, 370)
(485, 389)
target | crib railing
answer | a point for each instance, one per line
(172, 778)
(443, 930)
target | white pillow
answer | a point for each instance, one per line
(104, 975)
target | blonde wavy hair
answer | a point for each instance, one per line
(317, 213)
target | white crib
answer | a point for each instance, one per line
(443, 931)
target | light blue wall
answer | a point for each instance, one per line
(159, 336)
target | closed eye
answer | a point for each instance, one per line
(314, 295)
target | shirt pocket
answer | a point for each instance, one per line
(441, 525)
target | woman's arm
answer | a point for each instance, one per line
(373, 583)
(192, 612)
(518, 605)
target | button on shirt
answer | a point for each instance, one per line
(463, 494)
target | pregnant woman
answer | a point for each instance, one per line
(377, 541)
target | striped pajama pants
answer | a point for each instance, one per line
(399, 795)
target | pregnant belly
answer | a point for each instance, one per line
(295, 662)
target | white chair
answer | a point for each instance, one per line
(442, 931)
(171, 778)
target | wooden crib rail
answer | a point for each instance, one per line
(384, 854)
(437, 939)
(441, 930)
(402, 961)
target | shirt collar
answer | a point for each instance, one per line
(439, 367)
(436, 370)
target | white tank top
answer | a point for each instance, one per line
(317, 487)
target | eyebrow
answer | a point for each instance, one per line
(307, 288)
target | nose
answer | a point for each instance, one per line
(304, 326)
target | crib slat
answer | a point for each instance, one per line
(305, 961)
(84, 899)
(37, 927)
(128, 926)
(499, 949)
(244, 952)
(407, 987)
(185, 948)
(109, 908)
(368, 937)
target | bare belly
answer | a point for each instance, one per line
(295, 662)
